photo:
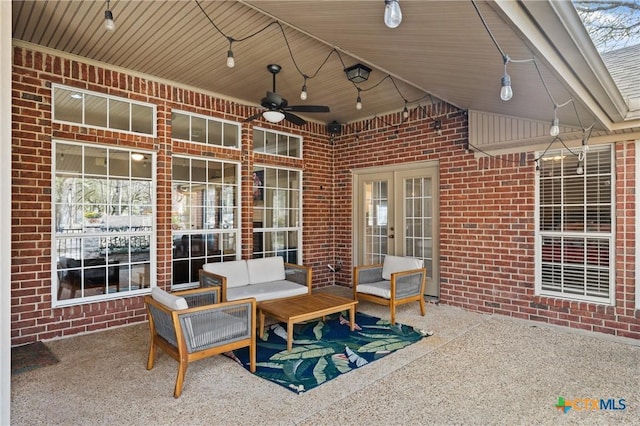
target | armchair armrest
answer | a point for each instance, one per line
(201, 296)
(300, 274)
(365, 274)
(204, 327)
(408, 283)
(209, 279)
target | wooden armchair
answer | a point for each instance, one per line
(397, 281)
(191, 325)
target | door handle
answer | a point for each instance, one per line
(391, 236)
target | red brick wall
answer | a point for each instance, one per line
(32, 315)
(486, 204)
(487, 223)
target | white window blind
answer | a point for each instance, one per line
(575, 224)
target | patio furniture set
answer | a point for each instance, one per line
(220, 316)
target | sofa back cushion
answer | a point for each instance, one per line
(393, 264)
(266, 269)
(235, 271)
(172, 302)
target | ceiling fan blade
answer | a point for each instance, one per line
(253, 117)
(294, 118)
(308, 108)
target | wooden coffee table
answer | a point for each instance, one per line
(293, 310)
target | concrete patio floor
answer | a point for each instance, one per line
(475, 369)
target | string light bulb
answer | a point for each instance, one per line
(231, 62)
(392, 13)
(109, 23)
(405, 111)
(303, 91)
(359, 101)
(506, 92)
(554, 130)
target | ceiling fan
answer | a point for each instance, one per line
(277, 107)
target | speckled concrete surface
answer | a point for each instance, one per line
(475, 369)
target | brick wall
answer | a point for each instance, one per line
(32, 316)
(487, 222)
(486, 204)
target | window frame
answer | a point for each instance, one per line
(274, 229)
(278, 135)
(150, 233)
(566, 236)
(207, 119)
(109, 98)
(237, 230)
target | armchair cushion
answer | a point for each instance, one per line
(266, 269)
(393, 264)
(168, 300)
(380, 289)
(235, 271)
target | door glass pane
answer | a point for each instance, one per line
(419, 220)
(376, 204)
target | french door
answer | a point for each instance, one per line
(396, 213)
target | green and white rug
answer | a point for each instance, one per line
(323, 350)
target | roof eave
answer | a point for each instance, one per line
(557, 36)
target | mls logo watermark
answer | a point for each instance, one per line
(590, 404)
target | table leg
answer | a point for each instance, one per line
(261, 322)
(289, 335)
(352, 316)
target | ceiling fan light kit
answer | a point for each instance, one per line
(273, 116)
(276, 108)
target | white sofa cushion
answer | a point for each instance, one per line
(267, 291)
(235, 271)
(393, 264)
(169, 300)
(266, 269)
(380, 289)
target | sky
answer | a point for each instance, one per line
(618, 17)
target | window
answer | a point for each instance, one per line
(103, 216)
(204, 215)
(282, 144)
(93, 109)
(198, 128)
(277, 217)
(574, 236)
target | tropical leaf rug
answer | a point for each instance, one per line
(322, 350)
